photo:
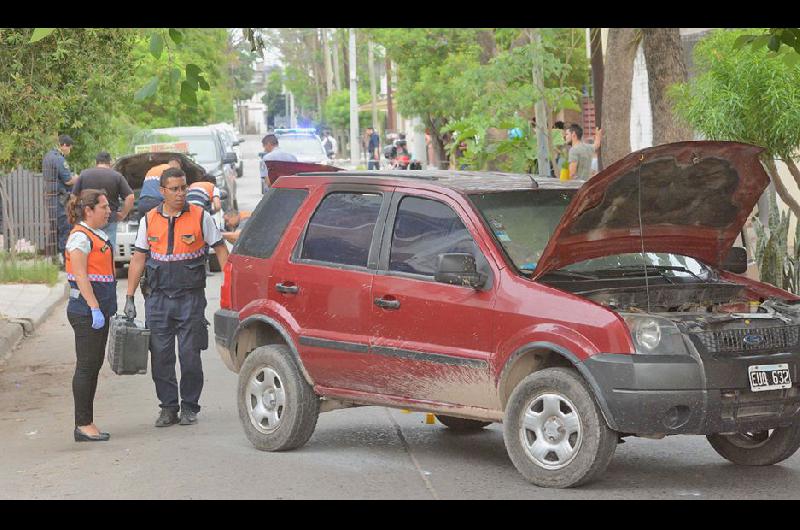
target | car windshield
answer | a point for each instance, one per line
(301, 145)
(523, 220)
(202, 148)
(660, 262)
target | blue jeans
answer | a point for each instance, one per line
(111, 231)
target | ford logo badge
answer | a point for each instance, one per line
(753, 340)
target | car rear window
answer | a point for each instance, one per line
(269, 221)
(341, 229)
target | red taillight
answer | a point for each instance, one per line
(225, 301)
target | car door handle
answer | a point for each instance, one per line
(387, 304)
(288, 289)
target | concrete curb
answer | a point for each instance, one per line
(13, 330)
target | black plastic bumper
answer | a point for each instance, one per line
(225, 324)
(682, 394)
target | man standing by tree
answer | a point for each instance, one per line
(59, 179)
(580, 154)
(102, 177)
(373, 148)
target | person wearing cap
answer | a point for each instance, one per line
(172, 243)
(59, 180)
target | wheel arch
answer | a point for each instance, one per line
(261, 330)
(535, 356)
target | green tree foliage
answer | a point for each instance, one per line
(337, 110)
(742, 94)
(68, 83)
(207, 57)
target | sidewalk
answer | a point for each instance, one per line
(23, 307)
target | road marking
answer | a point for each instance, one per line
(422, 473)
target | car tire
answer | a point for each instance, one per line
(461, 424)
(763, 448)
(213, 263)
(287, 420)
(555, 434)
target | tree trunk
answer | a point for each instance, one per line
(372, 88)
(596, 52)
(328, 69)
(436, 137)
(617, 80)
(780, 187)
(336, 72)
(663, 54)
(390, 121)
(488, 45)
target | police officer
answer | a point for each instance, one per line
(59, 179)
(171, 243)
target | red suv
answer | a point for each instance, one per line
(574, 315)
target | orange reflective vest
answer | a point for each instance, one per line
(100, 269)
(177, 250)
(201, 193)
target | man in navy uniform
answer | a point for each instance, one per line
(59, 180)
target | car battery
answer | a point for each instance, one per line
(128, 344)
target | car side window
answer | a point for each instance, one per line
(341, 229)
(269, 221)
(423, 230)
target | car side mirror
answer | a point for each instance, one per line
(459, 269)
(223, 194)
(236, 142)
(736, 261)
(230, 158)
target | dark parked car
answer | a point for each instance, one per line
(576, 316)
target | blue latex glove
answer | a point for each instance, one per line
(98, 320)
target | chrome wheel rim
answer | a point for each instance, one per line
(266, 400)
(551, 431)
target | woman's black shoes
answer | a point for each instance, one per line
(81, 436)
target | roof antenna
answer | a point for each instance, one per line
(641, 230)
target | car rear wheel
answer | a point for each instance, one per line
(554, 432)
(761, 448)
(461, 424)
(277, 407)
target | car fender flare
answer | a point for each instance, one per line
(574, 361)
(244, 324)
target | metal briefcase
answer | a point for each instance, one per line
(128, 344)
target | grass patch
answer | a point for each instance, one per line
(33, 270)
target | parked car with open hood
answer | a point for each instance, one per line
(207, 148)
(576, 316)
(134, 168)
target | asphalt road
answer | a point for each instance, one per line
(363, 453)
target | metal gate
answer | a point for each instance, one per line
(26, 211)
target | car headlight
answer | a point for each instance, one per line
(654, 335)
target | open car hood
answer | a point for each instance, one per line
(135, 167)
(280, 168)
(694, 197)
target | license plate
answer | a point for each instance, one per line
(769, 377)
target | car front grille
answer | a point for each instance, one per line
(745, 340)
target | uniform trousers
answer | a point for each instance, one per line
(90, 348)
(181, 316)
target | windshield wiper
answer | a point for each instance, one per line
(655, 268)
(571, 274)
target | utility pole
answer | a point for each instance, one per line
(354, 143)
(542, 137)
(372, 89)
(389, 106)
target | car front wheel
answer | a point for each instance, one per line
(554, 432)
(762, 448)
(277, 407)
